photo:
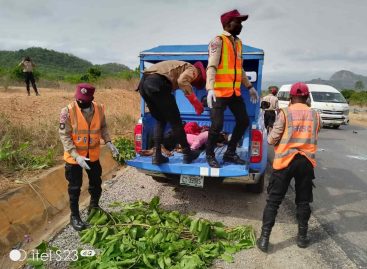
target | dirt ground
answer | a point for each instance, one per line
(30, 110)
(122, 111)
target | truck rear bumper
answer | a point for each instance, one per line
(251, 178)
(199, 167)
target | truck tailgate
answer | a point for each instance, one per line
(197, 168)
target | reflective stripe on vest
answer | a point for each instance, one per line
(229, 72)
(86, 138)
(299, 137)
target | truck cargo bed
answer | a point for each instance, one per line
(198, 167)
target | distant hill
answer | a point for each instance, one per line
(50, 61)
(111, 68)
(342, 79)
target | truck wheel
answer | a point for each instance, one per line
(160, 179)
(167, 178)
(258, 187)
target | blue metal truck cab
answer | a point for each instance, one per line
(253, 146)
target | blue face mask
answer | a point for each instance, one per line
(84, 104)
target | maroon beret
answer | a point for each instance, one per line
(230, 15)
(299, 89)
(84, 92)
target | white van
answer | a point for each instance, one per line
(327, 100)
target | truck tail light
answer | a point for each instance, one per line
(256, 146)
(138, 131)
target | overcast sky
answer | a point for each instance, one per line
(301, 39)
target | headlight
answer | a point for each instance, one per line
(318, 110)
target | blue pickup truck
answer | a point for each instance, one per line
(253, 146)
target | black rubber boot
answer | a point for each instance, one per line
(189, 155)
(302, 239)
(92, 205)
(232, 157)
(263, 241)
(77, 223)
(212, 161)
(157, 157)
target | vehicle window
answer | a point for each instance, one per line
(283, 96)
(329, 97)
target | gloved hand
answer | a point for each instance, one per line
(195, 103)
(210, 98)
(114, 150)
(253, 95)
(82, 162)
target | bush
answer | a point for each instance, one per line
(126, 149)
(358, 98)
(347, 93)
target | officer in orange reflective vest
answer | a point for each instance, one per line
(295, 136)
(224, 78)
(82, 125)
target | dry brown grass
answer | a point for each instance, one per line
(38, 116)
(358, 115)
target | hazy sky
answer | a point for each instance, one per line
(301, 39)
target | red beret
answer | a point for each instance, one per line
(84, 92)
(200, 81)
(230, 15)
(299, 89)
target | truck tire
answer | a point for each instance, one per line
(165, 179)
(160, 179)
(258, 187)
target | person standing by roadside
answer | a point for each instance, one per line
(225, 75)
(294, 135)
(270, 113)
(82, 125)
(28, 65)
(156, 87)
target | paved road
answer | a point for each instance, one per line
(340, 198)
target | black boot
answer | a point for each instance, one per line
(157, 157)
(77, 223)
(92, 205)
(302, 239)
(189, 155)
(263, 242)
(232, 157)
(212, 161)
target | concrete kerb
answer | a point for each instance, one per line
(42, 207)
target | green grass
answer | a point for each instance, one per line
(23, 148)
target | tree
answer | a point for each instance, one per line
(359, 85)
(347, 93)
(94, 72)
(92, 75)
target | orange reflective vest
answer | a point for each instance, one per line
(86, 137)
(229, 72)
(299, 137)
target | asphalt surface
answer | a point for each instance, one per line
(340, 197)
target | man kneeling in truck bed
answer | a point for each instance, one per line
(156, 87)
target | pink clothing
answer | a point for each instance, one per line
(196, 141)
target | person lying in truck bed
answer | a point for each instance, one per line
(156, 87)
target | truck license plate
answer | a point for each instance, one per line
(193, 181)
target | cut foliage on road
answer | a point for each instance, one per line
(143, 235)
